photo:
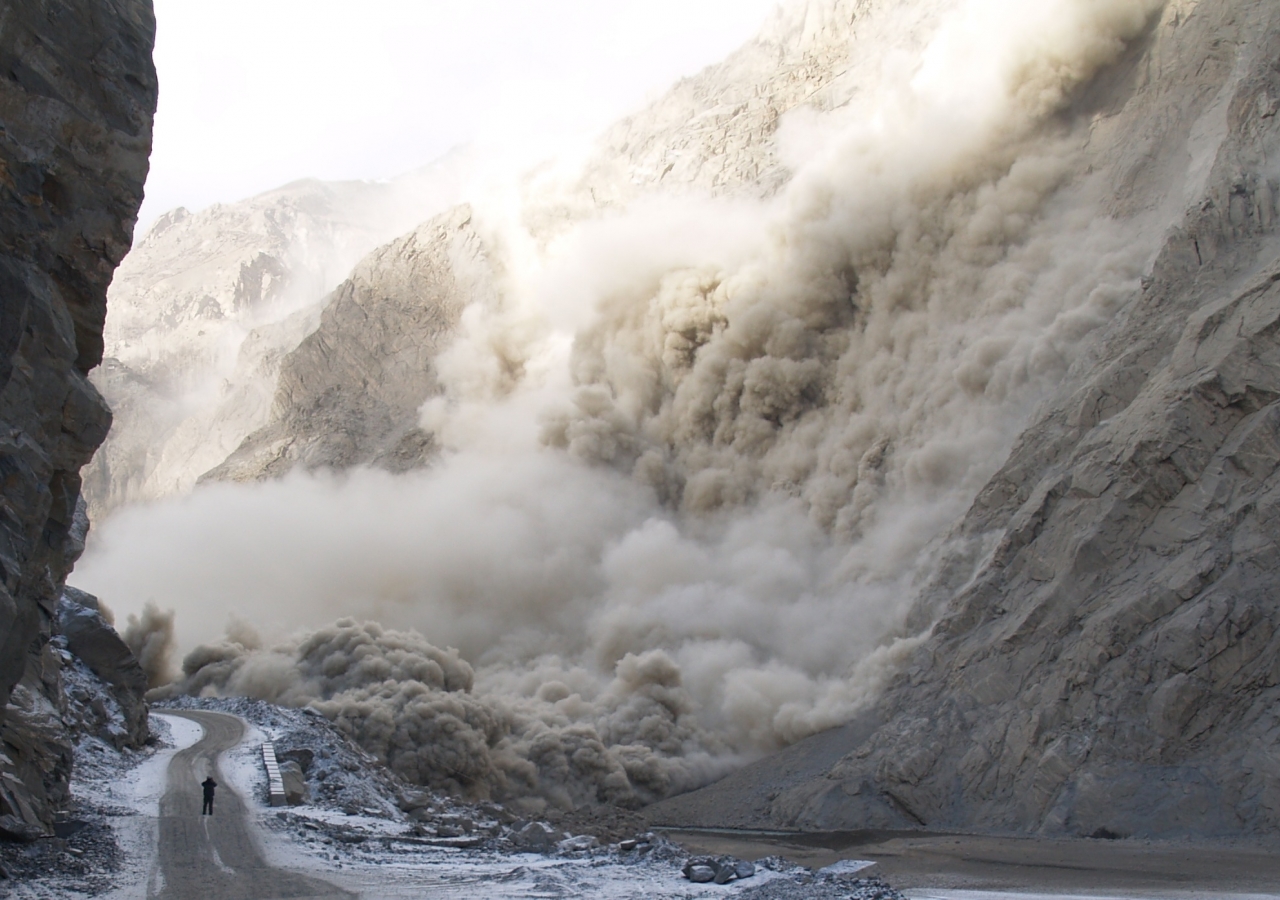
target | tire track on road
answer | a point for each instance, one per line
(216, 857)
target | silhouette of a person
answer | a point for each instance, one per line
(208, 784)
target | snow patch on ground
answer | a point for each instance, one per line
(386, 856)
(133, 795)
(386, 869)
(116, 795)
(243, 768)
(142, 787)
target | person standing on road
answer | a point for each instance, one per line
(208, 784)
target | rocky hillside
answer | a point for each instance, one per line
(207, 304)
(349, 394)
(1104, 660)
(76, 103)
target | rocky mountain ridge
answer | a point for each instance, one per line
(350, 392)
(713, 134)
(206, 306)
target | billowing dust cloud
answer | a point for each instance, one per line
(699, 456)
(150, 637)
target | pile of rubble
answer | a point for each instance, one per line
(83, 853)
(352, 811)
(842, 881)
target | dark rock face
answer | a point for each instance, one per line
(35, 770)
(91, 639)
(1108, 662)
(349, 394)
(77, 94)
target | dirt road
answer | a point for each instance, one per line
(216, 857)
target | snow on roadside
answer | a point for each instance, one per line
(368, 832)
(112, 818)
(358, 838)
(133, 795)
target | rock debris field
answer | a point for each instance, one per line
(364, 831)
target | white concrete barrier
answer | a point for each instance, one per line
(275, 784)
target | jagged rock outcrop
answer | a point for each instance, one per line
(91, 639)
(207, 305)
(77, 94)
(84, 683)
(350, 393)
(1105, 662)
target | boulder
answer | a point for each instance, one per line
(535, 837)
(13, 828)
(700, 874)
(720, 870)
(579, 844)
(295, 783)
(91, 639)
(300, 755)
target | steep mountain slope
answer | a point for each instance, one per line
(1109, 667)
(717, 435)
(76, 101)
(350, 393)
(719, 133)
(207, 304)
(725, 130)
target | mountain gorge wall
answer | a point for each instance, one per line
(1104, 658)
(207, 305)
(931, 397)
(349, 394)
(77, 95)
(183, 294)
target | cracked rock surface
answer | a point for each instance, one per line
(77, 94)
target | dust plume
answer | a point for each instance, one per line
(150, 637)
(699, 454)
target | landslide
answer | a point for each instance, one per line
(1105, 661)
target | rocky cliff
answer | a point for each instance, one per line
(206, 306)
(77, 94)
(350, 393)
(1104, 658)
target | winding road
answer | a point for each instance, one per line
(216, 857)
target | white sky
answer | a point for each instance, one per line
(257, 93)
